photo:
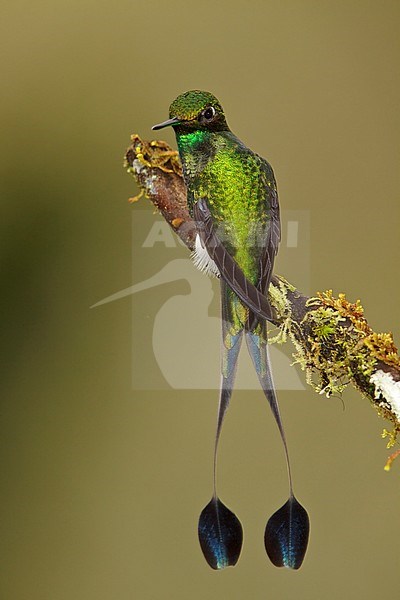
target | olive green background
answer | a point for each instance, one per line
(101, 484)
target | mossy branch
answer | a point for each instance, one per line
(334, 343)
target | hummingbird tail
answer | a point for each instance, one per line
(232, 336)
(287, 531)
(220, 531)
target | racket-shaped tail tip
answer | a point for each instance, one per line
(286, 535)
(220, 535)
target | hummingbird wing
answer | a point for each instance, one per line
(271, 242)
(229, 270)
(270, 245)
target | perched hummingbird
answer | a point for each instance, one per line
(232, 196)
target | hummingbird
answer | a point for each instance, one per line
(232, 197)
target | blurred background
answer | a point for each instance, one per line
(102, 484)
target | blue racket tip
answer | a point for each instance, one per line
(220, 535)
(286, 535)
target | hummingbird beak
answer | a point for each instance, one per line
(173, 121)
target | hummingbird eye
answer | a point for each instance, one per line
(208, 114)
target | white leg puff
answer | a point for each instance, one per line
(202, 259)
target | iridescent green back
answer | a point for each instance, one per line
(237, 185)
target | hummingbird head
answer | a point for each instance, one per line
(195, 110)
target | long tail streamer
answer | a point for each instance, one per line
(220, 531)
(287, 531)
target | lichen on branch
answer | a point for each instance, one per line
(334, 344)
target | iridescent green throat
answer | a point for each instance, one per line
(196, 148)
(190, 141)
